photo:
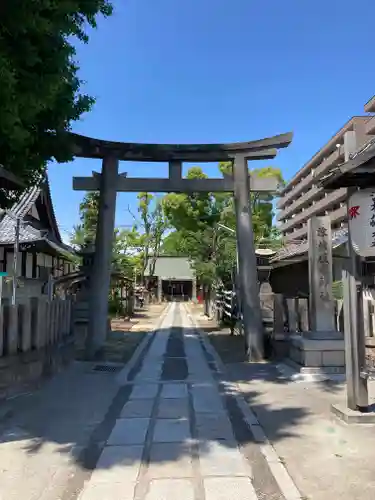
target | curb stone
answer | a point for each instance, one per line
(279, 471)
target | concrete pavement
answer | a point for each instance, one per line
(182, 431)
(325, 457)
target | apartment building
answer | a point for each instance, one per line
(302, 198)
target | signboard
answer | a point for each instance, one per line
(320, 274)
(324, 265)
(361, 217)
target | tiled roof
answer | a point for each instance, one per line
(28, 233)
(293, 249)
(20, 209)
(172, 268)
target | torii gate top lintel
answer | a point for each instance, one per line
(87, 147)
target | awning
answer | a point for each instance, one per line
(42, 243)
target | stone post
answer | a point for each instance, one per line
(278, 316)
(160, 290)
(101, 271)
(322, 307)
(249, 288)
(292, 315)
(303, 314)
(13, 330)
(26, 326)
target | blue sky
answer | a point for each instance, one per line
(180, 71)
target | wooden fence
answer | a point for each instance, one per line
(33, 325)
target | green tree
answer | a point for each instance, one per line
(77, 238)
(152, 225)
(89, 209)
(261, 204)
(174, 244)
(125, 242)
(40, 91)
(124, 245)
(195, 218)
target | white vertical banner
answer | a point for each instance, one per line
(361, 217)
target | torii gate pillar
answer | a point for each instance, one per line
(101, 270)
(248, 274)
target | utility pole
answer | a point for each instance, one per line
(15, 259)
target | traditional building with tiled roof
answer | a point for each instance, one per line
(42, 252)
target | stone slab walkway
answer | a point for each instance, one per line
(182, 433)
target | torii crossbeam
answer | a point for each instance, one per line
(110, 181)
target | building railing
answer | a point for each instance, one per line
(308, 196)
(315, 172)
(323, 204)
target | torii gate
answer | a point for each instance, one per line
(110, 181)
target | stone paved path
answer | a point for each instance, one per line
(177, 437)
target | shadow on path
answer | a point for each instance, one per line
(77, 410)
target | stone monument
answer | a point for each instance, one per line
(320, 352)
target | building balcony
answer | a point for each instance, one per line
(296, 190)
(304, 199)
(370, 126)
(339, 215)
(336, 216)
(370, 105)
(320, 206)
(298, 234)
(331, 160)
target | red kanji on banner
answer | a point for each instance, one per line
(354, 211)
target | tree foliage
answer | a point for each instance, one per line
(151, 225)
(124, 241)
(40, 91)
(85, 232)
(195, 219)
(135, 248)
(173, 245)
